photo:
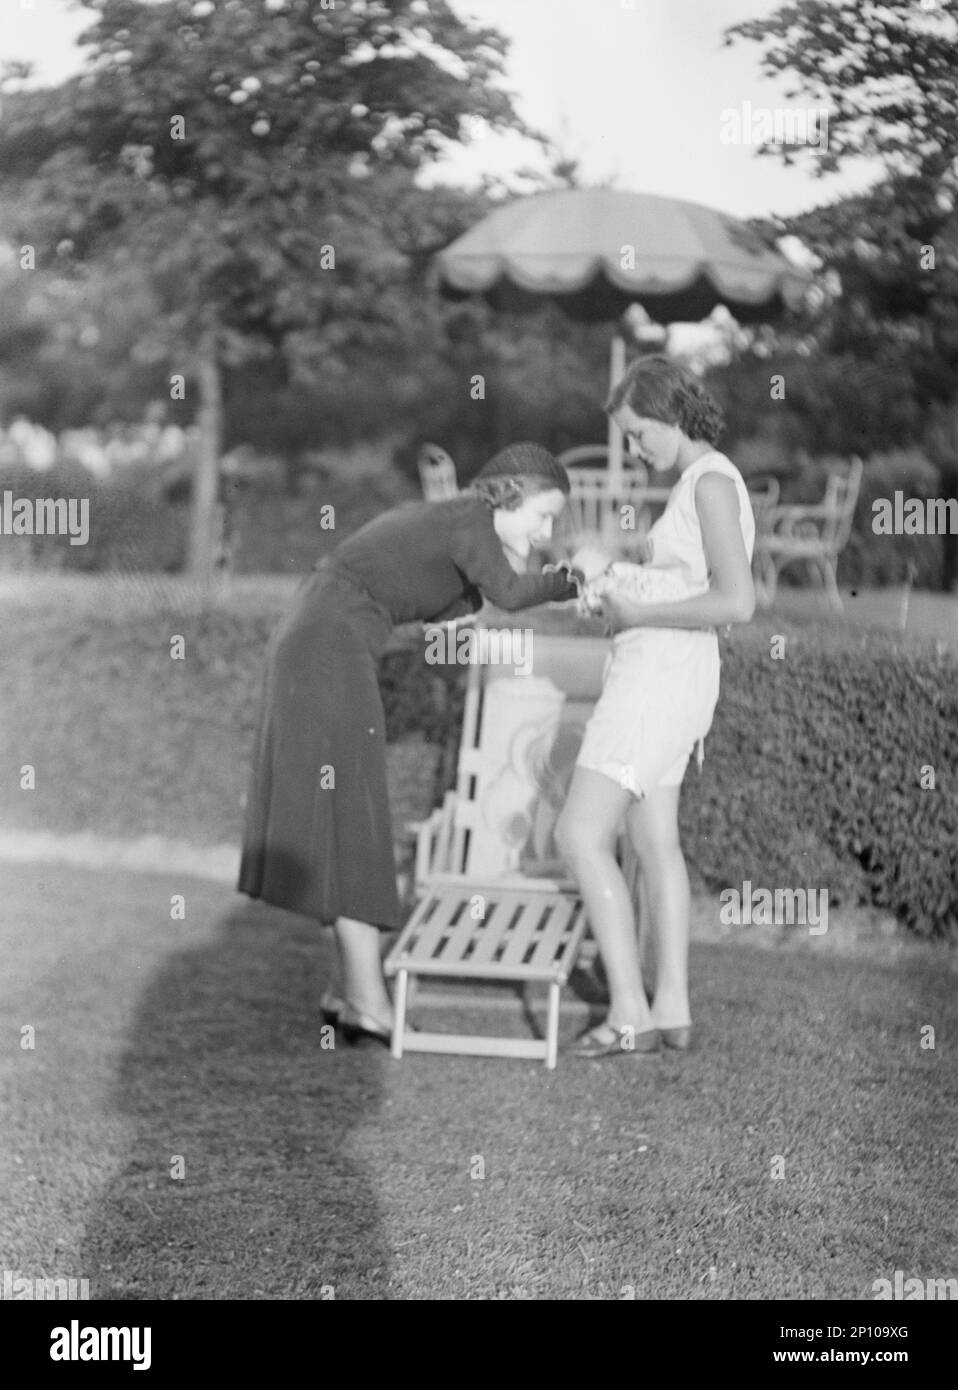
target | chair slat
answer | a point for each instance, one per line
(469, 741)
(432, 931)
(554, 933)
(442, 852)
(492, 931)
(522, 935)
(490, 970)
(461, 934)
(403, 945)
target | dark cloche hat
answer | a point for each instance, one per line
(526, 461)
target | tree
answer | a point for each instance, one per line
(69, 340)
(246, 157)
(887, 73)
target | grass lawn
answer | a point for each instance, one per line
(160, 1040)
(306, 1168)
(914, 615)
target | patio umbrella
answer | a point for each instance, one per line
(595, 251)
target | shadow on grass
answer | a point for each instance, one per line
(228, 1083)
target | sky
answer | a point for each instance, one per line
(633, 89)
(637, 94)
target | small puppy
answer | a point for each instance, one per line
(602, 575)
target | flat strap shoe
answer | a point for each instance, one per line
(606, 1041)
(680, 1039)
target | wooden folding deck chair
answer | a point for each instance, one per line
(495, 901)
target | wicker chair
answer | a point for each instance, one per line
(814, 534)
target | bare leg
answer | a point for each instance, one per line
(654, 832)
(635, 881)
(361, 971)
(645, 931)
(585, 834)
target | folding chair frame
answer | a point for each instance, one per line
(528, 929)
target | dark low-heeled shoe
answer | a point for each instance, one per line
(359, 1028)
(679, 1039)
(330, 1007)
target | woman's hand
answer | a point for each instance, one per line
(620, 613)
(607, 609)
(573, 577)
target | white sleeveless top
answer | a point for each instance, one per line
(677, 535)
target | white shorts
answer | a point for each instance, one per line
(659, 693)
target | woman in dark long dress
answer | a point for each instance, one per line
(318, 837)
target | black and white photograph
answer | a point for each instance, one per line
(479, 697)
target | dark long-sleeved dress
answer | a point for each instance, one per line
(318, 836)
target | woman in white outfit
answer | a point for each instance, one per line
(657, 703)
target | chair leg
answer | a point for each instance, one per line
(830, 575)
(552, 1027)
(767, 576)
(399, 1013)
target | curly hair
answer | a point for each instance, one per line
(659, 389)
(508, 493)
(519, 471)
(501, 492)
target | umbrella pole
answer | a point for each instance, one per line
(615, 441)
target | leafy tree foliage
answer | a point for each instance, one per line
(254, 161)
(887, 73)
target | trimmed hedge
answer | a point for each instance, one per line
(132, 528)
(813, 773)
(811, 777)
